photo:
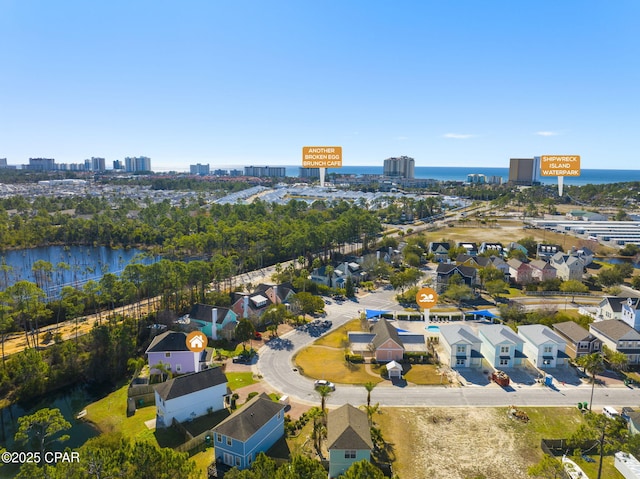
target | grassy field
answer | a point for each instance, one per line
(339, 337)
(321, 362)
(424, 374)
(240, 379)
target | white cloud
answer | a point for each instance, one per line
(459, 136)
(547, 133)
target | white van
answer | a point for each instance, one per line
(610, 412)
(284, 400)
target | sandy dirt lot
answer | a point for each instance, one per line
(455, 443)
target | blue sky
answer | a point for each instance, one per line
(457, 83)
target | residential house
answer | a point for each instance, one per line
(348, 438)
(585, 254)
(385, 343)
(440, 251)
(501, 347)
(618, 336)
(348, 270)
(547, 251)
(541, 270)
(253, 305)
(473, 261)
(445, 271)
(610, 308)
(580, 342)
(630, 312)
(470, 247)
(190, 396)
(461, 345)
(633, 422)
(513, 246)
(170, 349)
(520, 272)
(495, 249)
(568, 266)
(544, 348)
(250, 430)
(215, 322)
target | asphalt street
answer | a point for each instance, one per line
(278, 370)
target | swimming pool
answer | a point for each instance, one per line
(433, 329)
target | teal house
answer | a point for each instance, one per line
(214, 321)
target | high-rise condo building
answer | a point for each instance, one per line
(524, 171)
(402, 167)
(137, 163)
(199, 169)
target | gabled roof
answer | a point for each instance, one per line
(383, 332)
(540, 264)
(458, 333)
(446, 269)
(614, 302)
(348, 428)
(434, 246)
(190, 383)
(517, 264)
(478, 260)
(616, 330)
(539, 334)
(573, 331)
(168, 341)
(633, 303)
(498, 334)
(248, 420)
(203, 312)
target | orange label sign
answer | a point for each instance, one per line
(427, 298)
(196, 341)
(560, 165)
(322, 157)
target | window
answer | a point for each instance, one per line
(461, 349)
(237, 461)
(218, 437)
(349, 454)
(279, 414)
(504, 349)
(460, 362)
(228, 441)
(178, 368)
(546, 362)
(167, 355)
(504, 362)
(548, 349)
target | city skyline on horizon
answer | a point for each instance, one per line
(251, 83)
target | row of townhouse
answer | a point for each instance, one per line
(501, 347)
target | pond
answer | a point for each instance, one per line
(70, 265)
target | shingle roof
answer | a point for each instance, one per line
(384, 331)
(615, 330)
(348, 428)
(248, 420)
(453, 333)
(203, 312)
(168, 341)
(573, 331)
(615, 302)
(190, 383)
(498, 333)
(539, 334)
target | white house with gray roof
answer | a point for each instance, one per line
(190, 396)
(630, 312)
(461, 345)
(618, 336)
(544, 348)
(568, 266)
(501, 347)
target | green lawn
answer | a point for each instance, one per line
(320, 362)
(240, 379)
(339, 337)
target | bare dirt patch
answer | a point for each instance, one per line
(453, 443)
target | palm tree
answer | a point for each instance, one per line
(369, 387)
(324, 392)
(594, 363)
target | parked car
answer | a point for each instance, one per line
(324, 382)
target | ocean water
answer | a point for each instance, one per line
(459, 173)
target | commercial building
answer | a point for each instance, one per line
(199, 169)
(402, 167)
(524, 171)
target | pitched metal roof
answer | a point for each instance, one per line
(248, 420)
(498, 333)
(348, 428)
(190, 383)
(459, 333)
(539, 334)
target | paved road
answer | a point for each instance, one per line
(276, 366)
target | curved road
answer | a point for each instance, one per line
(276, 367)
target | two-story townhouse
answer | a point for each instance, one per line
(520, 272)
(190, 396)
(470, 247)
(440, 251)
(348, 438)
(569, 267)
(544, 348)
(580, 342)
(547, 251)
(170, 349)
(618, 336)
(630, 312)
(501, 347)
(461, 346)
(610, 308)
(541, 270)
(514, 246)
(252, 429)
(495, 249)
